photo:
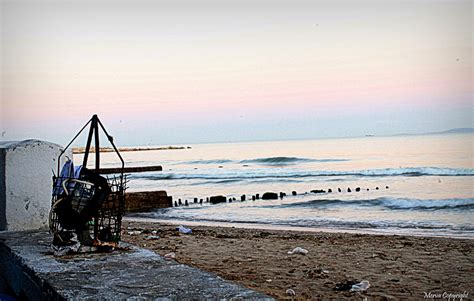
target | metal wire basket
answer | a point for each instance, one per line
(88, 205)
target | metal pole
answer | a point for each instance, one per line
(97, 146)
(89, 140)
(95, 126)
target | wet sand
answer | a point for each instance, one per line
(397, 267)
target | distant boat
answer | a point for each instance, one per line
(369, 135)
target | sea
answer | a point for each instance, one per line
(415, 185)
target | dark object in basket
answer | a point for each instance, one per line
(81, 204)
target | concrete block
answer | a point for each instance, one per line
(26, 183)
(147, 201)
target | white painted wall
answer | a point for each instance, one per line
(26, 183)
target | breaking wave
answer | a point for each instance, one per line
(388, 203)
(277, 161)
(287, 160)
(215, 161)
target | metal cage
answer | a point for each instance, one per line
(88, 205)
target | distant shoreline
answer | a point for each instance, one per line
(81, 150)
(457, 131)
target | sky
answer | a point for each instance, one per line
(177, 72)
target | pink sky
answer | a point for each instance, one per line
(204, 64)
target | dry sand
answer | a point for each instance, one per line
(397, 267)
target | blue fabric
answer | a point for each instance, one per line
(67, 172)
(5, 297)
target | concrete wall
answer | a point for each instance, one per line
(26, 183)
(3, 218)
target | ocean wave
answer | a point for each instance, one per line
(389, 203)
(153, 177)
(272, 161)
(225, 181)
(417, 171)
(279, 174)
(414, 204)
(214, 161)
(307, 223)
(287, 160)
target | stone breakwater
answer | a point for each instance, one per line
(217, 199)
(81, 150)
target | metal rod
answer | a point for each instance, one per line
(89, 139)
(95, 127)
(97, 146)
(64, 150)
(111, 140)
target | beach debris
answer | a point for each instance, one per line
(329, 190)
(242, 198)
(315, 273)
(269, 280)
(346, 285)
(339, 190)
(152, 237)
(135, 232)
(386, 187)
(361, 286)
(262, 234)
(170, 256)
(184, 230)
(175, 204)
(290, 292)
(200, 201)
(253, 198)
(376, 188)
(195, 200)
(269, 196)
(72, 246)
(349, 189)
(257, 196)
(186, 203)
(179, 202)
(357, 189)
(293, 192)
(394, 280)
(318, 191)
(217, 199)
(298, 250)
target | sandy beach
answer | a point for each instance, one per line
(397, 267)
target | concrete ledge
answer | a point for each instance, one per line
(30, 271)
